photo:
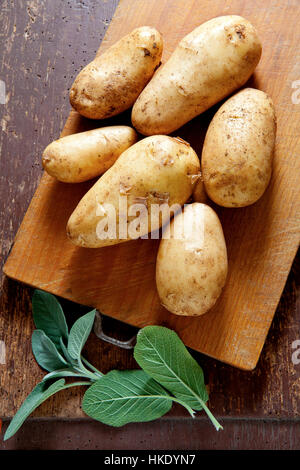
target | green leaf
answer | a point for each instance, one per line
(39, 394)
(49, 316)
(45, 352)
(122, 397)
(162, 354)
(67, 356)
(79, 334)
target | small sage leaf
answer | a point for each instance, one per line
(49, 316)
(79, 334)
(122, 397)
(45, 352)
(66, 355)
(40, 393)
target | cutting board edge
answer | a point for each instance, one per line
(241, 365)
(246, 365)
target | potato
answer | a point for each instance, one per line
(238, 149)
(112, 82)
(123, 204)
(211, 62)
(191, 265)
(79, 157)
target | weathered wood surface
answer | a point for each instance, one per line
(41, 40)
(174, 434)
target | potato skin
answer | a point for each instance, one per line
(191, 272)
(208, 64)
(238, 149)
(80, 157)
(156, 170)
(111, 83)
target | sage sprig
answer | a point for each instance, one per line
(168, 372)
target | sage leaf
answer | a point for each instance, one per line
(122, 397)
(49, 316)
(79, 334)
(67, 356)
(45, 352)
(39, 394)
(160, 352)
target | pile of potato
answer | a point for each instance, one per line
(210, 63)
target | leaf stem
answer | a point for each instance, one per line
(185, 405)
(81, 369)
(76, 384)
(215, 422)
(67, 373)
(65, 351)
(87, 363)
(87, 373)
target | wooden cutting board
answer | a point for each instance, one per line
(262, 239)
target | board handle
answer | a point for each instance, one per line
(98, 330)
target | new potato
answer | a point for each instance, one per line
(191, 265)
(112, 82)
(158, 170)
(238, 149)
(208, 64)
(80, 157)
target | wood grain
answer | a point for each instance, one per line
(263, 405)
(194, 435)
(262, 239)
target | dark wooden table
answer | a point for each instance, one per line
(44, 45)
